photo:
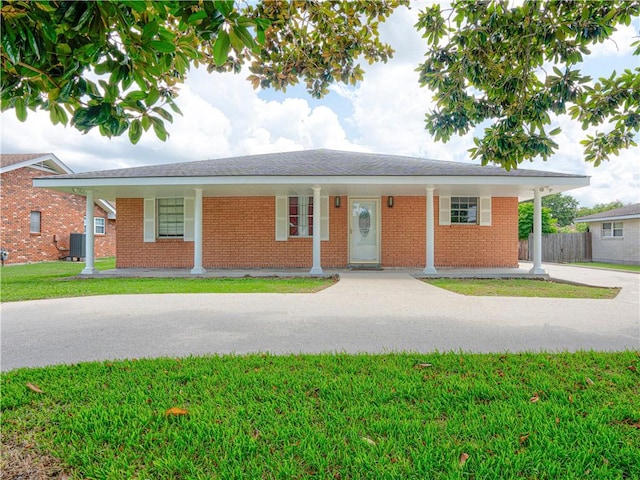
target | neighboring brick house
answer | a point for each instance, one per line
(615, 235)
(317, 208)
(37, 223)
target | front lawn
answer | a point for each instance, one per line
(395, 416)
(610, 266)
(518, 287)
(56, 279)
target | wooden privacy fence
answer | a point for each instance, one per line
(559, 248)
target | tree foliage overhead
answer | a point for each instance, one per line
(514, 65)
(117, 65)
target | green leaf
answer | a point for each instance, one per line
(158, 128)
(152, 97)
(224, 6)
(135, 131)
(21, 109)
(136, 95)
(221, 48)
(194, 17)
(555, 131)
(165, 47)
(244, 35)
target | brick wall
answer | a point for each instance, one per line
(60, 215)
(239, 232)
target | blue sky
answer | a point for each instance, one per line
(224, 116)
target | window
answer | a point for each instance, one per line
(34, 222)
(170, 217)
(300, 216)
(99, 226)
(464, 210)
(612, 229)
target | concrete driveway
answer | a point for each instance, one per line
(364, 312)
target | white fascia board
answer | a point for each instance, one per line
(107, 207)
(607, 219)
(88, 183)
(58, 165)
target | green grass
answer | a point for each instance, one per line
(518, 287)
(55, 280)
(612, 266)
(394, 416)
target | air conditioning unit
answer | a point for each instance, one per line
(77, 245)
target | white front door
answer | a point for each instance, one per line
(364, 230)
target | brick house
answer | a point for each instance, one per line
(317, 209)
(37, 223)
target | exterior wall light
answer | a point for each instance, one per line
(336, 202)
(390, 201)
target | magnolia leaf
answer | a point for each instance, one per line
(368, 440)
(535, 398)
(221, 48)
(34, 388)
(422, 365)
(633, 368)
(176, 411)
(463, 458)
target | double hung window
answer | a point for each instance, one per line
(300, 216)
(464, 210)
(170, 217)
(612, 229)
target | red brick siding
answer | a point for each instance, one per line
(60, 215)
(476, 246)
(239, 232)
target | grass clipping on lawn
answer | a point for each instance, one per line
(542, 416)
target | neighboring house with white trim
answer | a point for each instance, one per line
(37, 224)
(316, 209)
(615, 235)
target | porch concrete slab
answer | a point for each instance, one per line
(380, 311)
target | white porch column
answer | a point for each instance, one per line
(317, 234)
(197, 234)
(89, 252)
(430, 268)
(537, 233)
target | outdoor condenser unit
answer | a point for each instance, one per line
(77, 245)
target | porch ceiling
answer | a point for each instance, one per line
(110, 189)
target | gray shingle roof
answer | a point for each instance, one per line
(314, 163)
(626, 211)
(8, 159)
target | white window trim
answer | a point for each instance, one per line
(95, 225)
(150, 235)
(483, 213)
(282, 218)
(39, 231)
(612, 231)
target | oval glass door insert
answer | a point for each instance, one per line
(364, 222)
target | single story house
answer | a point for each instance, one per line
(37, 224)
(615, 235)
(316, 209)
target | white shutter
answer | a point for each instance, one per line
(189, 219)
(485, 211)
(149, 219)
(324, 218)
(444, 216)
(282, 219)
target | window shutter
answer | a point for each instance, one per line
(444, 216)
(189, 219)
(282, 219)
(149, 219)
(485, 211)
(324, 218)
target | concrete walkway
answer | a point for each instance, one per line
(378, 311)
